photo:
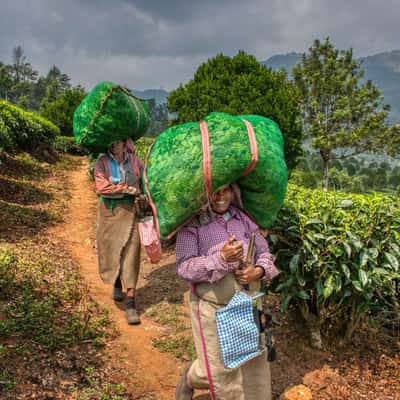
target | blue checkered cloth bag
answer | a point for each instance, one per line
(238, 335)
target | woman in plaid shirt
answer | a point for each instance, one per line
(209, 252)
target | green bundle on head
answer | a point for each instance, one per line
(175, 168)
(108, 113)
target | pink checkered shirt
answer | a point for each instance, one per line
(198, 247)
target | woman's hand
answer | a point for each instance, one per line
(249, 274)
(132, 190)
(232, 250)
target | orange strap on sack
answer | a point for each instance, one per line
(253, 147)
(205, 141)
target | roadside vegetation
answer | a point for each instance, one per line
(52, 333)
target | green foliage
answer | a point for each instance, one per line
(23, 130)
(241, 85)
(142, 146)
(35, 305)
(338, 254)
(354, 174)
(61, 110)
(175, 339)
(5, 139)
(338, 111)
(5, 80)
(67, 144)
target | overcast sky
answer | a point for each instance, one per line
(159, 43)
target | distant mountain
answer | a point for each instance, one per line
(382, 69)
(287, 61)
(160, 95)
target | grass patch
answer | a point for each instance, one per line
(99, 390)
(176, 338)
(49, 326)
(7, 381)
(50, 313)
(181, 347)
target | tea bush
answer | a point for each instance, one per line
(339, 257)
(142, 146)
(23, 130)
(67, 144)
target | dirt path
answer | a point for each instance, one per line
(157, 372)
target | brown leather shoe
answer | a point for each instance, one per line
(132, 316)
(183, 390)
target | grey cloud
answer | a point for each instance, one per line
(162, 42)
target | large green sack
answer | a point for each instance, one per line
(175, 168)
(108, 113)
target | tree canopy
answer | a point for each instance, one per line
(241, 85)
(341, 114)
(60, 111)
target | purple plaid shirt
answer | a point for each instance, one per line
(198, 247)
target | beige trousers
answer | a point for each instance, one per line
(118, 244)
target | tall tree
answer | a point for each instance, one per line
(241, 85)
(5, 81)
(23, 76)
(49, 87)
(62, 80)
(22, 70)
(342, 115)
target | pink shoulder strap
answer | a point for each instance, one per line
(205, 140)
(253, 147)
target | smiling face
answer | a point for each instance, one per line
(221, 200)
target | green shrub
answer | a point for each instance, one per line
(67, 144)
(23, 130)
(142, 146)
(5, 139)
(338, 255)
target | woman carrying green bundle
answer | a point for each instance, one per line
(210, 253)
(118, 185)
